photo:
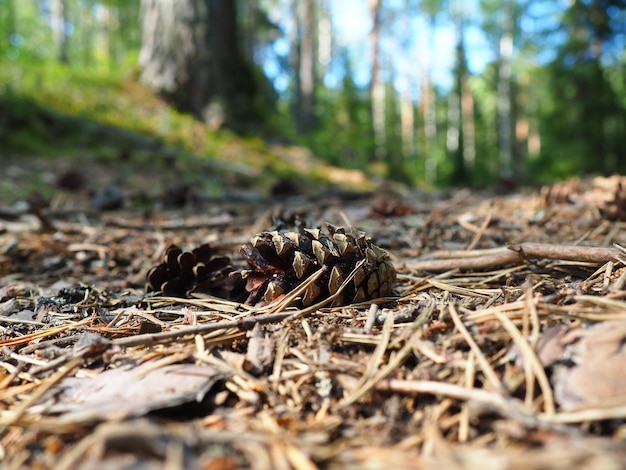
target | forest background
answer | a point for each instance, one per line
(432, 93)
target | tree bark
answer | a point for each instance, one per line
(58, 14)
(469, 134)
(461, 142)
(407, 120)
(190, 54)
(505, 129)
(428, 107)
(305, 93)
(86, 28)
(377, 87)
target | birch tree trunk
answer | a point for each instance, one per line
(428, 108)
(305, 77)
(407, 120)
(190, 54)
(505, 129)
(59, 12)
(453, 135)
(377, 87)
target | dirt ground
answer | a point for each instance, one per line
(502, 346)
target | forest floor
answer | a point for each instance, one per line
(501, 348)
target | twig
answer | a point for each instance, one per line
(481, 231)
(380, 375)
(530, 360)
(587, 254)
(478, 260)
(456, 254)
(470, 374)
(43, 388)
(597, 413)
(379, 352)
(457, 290)
(480, 357)
(242, 323)
(42, 333)
(508, 407)
(371, 318)
(502, 257)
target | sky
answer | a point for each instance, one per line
(351, 23)
(409, 47)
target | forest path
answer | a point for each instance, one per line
(517, 357)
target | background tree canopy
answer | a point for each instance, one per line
(430, 92)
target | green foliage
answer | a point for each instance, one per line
(342, 134)
(572, 109)
(583, 112)
(80, 112)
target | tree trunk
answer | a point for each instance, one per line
(428, 107)
(523, 118)
(454, 140)
(428, 129)
(377, 87)
(58, 13)
(10, 26)
(505, 129)
(190, 54)
(306, 65)
(407, 120)
(251, 14)
(324, 39)
(469, 134)
(86, 32)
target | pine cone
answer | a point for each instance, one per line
(282, 260)
(184, 272)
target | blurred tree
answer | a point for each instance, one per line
(506, 100)
(505, 79)
(427, 108)
(251, 17)
(377, 87)
(86, 31)
(584, 118)
(190, 54)
(59, 18)
(460, 135)
(7, 25)
(305, 64)
(395, 158)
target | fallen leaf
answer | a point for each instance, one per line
(599, 373)
(130, 391)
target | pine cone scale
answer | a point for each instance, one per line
(182, 273)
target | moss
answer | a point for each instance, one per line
(59, 110)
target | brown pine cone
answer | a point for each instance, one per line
(281, 261)
(184, 272)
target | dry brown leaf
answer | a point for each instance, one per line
(599, 373)
(131, 391)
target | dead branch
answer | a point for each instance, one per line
(494, 260)
(478, 260)
(586, 254)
